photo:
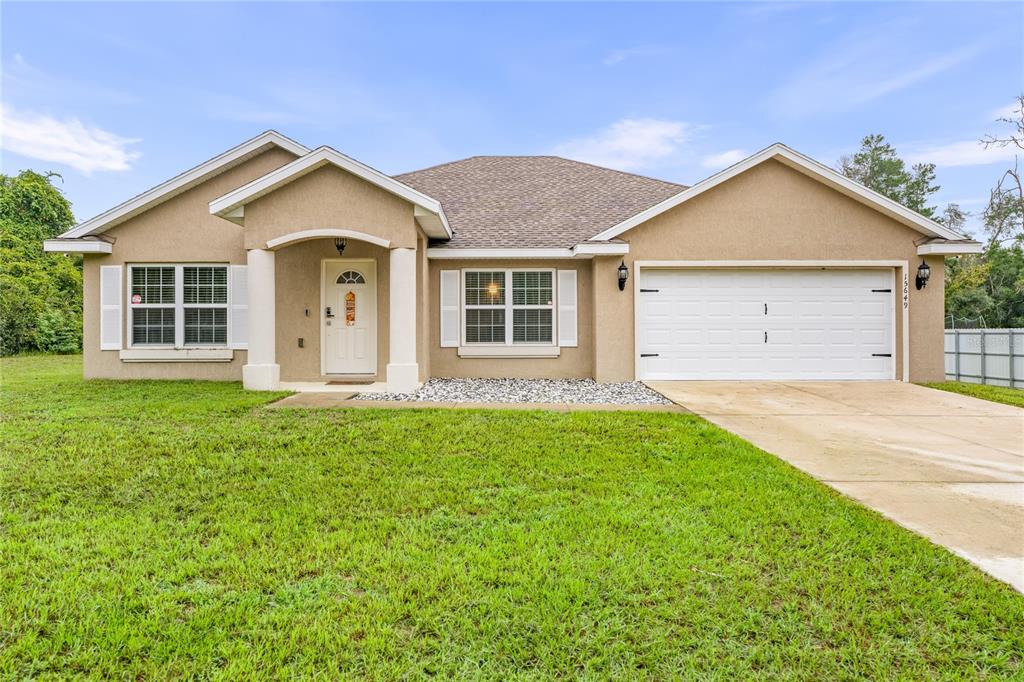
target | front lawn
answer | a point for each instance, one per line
(997, 394)
(154, 530)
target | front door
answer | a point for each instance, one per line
(350, 317)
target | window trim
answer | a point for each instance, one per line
(509, 307)
(179, 307)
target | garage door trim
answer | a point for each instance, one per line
(901, 267)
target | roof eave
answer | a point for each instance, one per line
(944, 247)
(64, 245)
(805, 165)
(584, 250)
(428, 211)
(183, 182)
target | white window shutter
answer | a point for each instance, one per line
(450, 296)
(238, 292)
(110, 306)
(567, 308)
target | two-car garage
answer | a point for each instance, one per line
(727, 323)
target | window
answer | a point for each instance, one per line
(179, 305)
(492, 316)
(350, 277)
(206, 305)
(152, 305)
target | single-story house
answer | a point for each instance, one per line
(275, 264)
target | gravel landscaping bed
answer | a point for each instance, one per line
(569, 391)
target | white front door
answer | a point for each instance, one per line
(808, 324)
(349, 317)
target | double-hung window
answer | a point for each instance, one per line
(175, 306)
(508, 307)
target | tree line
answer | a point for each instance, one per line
(986, 288)
(41, 293)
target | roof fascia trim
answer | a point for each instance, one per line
(226, 204)
(554, 253)
(804, 164)
(140, 203)
(951, 248)
(61, 245)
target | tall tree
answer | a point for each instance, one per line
(877, 166)
(40, 293)
(989, 286)
(1004, 216)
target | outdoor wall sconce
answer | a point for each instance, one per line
(623, 275)
(923, 273)
(340, 243)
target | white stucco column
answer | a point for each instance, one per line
(261, 371)
(403, 371)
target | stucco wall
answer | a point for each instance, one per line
(330, 198)
(574, 362)
(770, 212)
(180, 229)
(298, 270)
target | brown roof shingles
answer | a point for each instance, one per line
(533, 201)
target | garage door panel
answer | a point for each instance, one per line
(712, 324)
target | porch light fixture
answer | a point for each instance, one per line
(340, 243)
(623, 275)
(923, 273)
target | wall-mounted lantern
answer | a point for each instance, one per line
(923, 273)
(340, 243)
(623, 275)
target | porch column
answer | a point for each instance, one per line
(402, 370)
(261, 371)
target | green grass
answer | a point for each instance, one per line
(152, 530)
(997, 394)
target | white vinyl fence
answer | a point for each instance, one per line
(986, 356)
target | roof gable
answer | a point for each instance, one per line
(428, 211)
(184, 182)
(807, 166)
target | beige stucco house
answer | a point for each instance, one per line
(285, 266)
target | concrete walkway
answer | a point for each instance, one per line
(945, 465)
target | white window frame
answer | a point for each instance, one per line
(509, 309)
(179, 306)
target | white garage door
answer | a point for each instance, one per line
(765, 324)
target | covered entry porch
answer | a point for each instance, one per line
(330, 309)
(328, 239)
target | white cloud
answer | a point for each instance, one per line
(618, 56)
(1011, 111)
(860, 72)
(69, 142)
(630, 143)
(966, 153)
(724, 159)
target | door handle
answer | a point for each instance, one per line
(766, 337)
(328, 313)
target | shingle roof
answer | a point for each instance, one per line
(533, 201)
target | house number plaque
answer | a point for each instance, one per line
(350, 308)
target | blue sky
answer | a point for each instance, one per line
(120, 97)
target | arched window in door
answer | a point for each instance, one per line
(351, 277)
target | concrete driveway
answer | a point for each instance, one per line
(945, 465)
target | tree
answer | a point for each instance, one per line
(877, 167)
(990, 285)
(40, 293)
(1004, 216)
